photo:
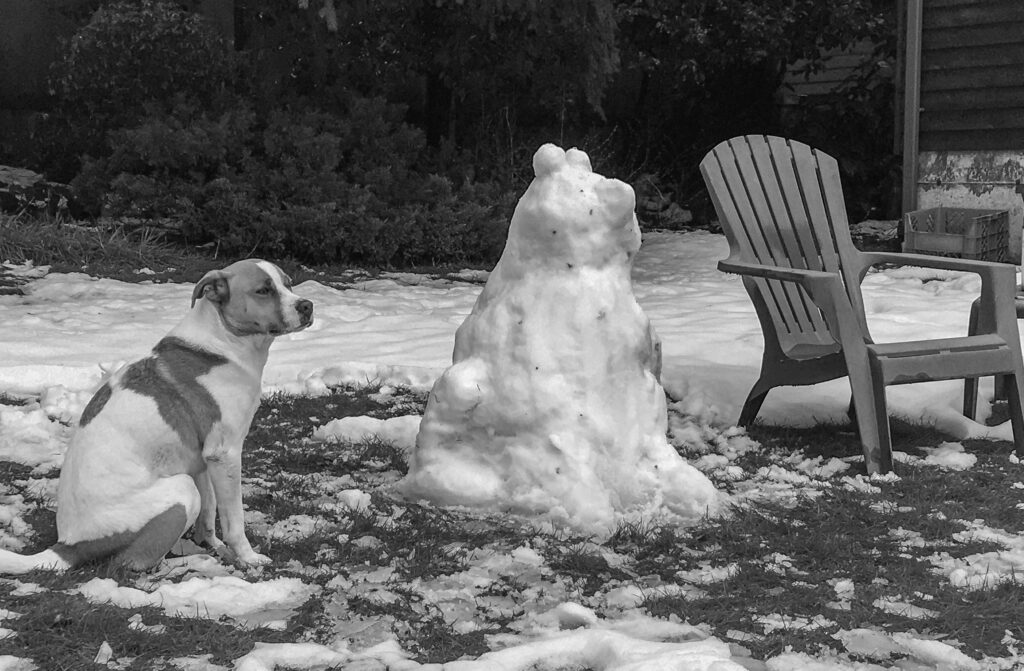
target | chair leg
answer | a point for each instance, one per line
(882, 417)
(1000, 393)
(970, 397)
(752, 406)
(1015, 396)
(872, 419)
(971, 383)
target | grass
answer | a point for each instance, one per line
(64, 631)
(116, 249)
(778, 561)
(109, 249)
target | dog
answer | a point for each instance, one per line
(158, 448)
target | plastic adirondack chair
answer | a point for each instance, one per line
(781, 205)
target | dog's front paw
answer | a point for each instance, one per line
(250, 559)
(225, 553)
(207, 539)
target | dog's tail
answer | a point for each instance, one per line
(12, 563)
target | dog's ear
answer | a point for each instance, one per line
(213, 287)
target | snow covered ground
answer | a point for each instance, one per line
(57, 340)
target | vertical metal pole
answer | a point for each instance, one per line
(912, 104)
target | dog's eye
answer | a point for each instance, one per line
(265, 291)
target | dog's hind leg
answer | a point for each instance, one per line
(161, 513)
(162, 531)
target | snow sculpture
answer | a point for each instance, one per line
(552, 406)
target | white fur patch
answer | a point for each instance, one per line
(286, 296)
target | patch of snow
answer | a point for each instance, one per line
(904, 609)
(949, 455)
(882, 646)
(12, 663)
(28, 436)
(986, 569)
(26, 269)
(707, 574)
(294, 528)
(260, 604)
(399, 431)
(13, 528)
(776, 621)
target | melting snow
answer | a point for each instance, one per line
(61, 337)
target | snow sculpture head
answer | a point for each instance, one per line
(572, 216)
(552, 406)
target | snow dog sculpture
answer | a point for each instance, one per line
(553, 406)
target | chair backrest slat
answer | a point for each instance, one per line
(781, 217)
(832, 188)
(732, 197)
(758, 161)
(781, 204)
(793, 204)
(818, 216)
(795, 310)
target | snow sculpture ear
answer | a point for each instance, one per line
(579, 159)
(548, 159)
(617, 197)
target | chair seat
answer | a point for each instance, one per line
(938, 346)
(942, 358)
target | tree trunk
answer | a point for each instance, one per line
(438, 110)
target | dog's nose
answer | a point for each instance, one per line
(305, 310)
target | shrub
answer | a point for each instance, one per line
(130, 56)
(159, 167)
(138, 52)
(315, 186)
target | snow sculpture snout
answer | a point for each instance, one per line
(552, 406)
(571, 216)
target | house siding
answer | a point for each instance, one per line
(972, 75)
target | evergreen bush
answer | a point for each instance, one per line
(306, 184)
(132, 54)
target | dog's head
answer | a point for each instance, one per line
(255, 298)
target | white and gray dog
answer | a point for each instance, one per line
(159, 447)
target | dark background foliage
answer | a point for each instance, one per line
(399, 132)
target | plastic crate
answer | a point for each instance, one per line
(960, 232)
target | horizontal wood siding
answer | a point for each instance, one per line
(836, 67)
(972, 75)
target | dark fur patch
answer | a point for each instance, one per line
(155, 539)
(136, 549)
(96, 403)
(169, 378)
(77, 554)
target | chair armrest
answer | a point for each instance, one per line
(939, 262)
(798, 275)
(998, 285)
